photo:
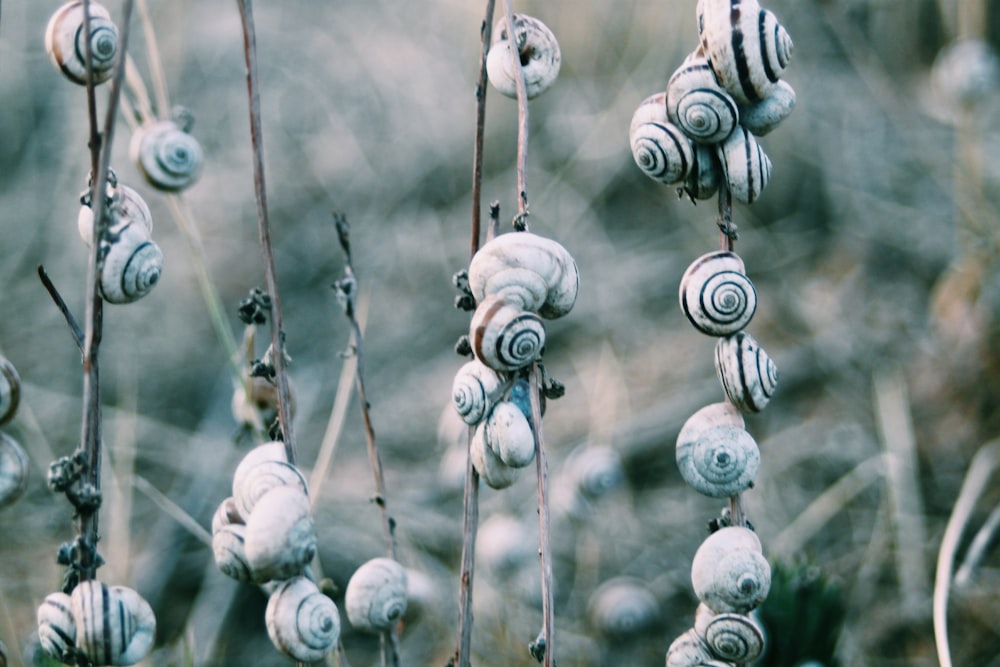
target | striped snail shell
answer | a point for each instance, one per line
(132, 266)
(732, 637)
(260, 479)
(114, 624)
(747, 47)
(748, 375)
(376, 595)
(689, 650)
(66, 42)
(745, 165)
(729, 573)
(528, 271)
(56, 627)
(226, 514)
(229, 550)
(496, 473)
(268, 451)
(662, 151)
(762, 117)
(653, 109)
(698, 105)
(622, 608)
(130, 208)
(13, 470)
(10, 390)
(508, 433)
(301, 621)
(715, 458)
(168, 157)
(476, 388)
(716, 294)
(280, 534)
(505, 337)
(539, 54)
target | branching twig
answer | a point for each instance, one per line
(74, 328)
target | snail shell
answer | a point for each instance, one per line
(748, 375)
(539, 55)
(66, 42)
(747, 47)
(716, 295)
(167, 156)
(689, 650)
(528, 271)
(13, 470)
(114, 625)
(496, 473)
(56, 627)
(10, 390)
(226, 514)
(229, 549)
(507, 432)
(728, 572)
(260, 479)
(703, 179)
(653, 109)
(132, 266)
(762, 117)
(716, 459)
(595, 470)
(745, 165)
(504, 544)
(622, 608)
(698, 105)
(965, 73)
(268, 451)
(475, 389)
(375, 598)
(130, 208)
(662, 151)
(732, 637)
(280, 534)
(504, 337)
(301, 621)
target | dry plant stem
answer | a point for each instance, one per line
(978, 548)
(486, 33)
(521, 222)
(74, 328)
(544, 531)
(155, 66)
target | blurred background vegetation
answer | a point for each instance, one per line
(873, 251)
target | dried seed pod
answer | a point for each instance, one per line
(280, 534)
(504, 337)
(732, 637)
(114, 624)
(229, 549)
(10, 390)
(132, 266)
(728, 572)
(748, 375)
(703, 179)
(496, 473)
(689, 650)
(622, 608)
(301, 621)
(56, 627)
(538, 53)
(716, 294)
(375, 598)
(508, 434)
(66, 42)
(13, 470)
(745, 165)
(260, 479)
(476, 388)
(716, 459)
(167, 156)
(662, 151)
(698, 105)
(762, 117)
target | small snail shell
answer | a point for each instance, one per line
(65, 42)
(496, 473)
(13, 470)
(301, 621)
(475, 389)
(375, 598)
(504, 337)
(229, 549)
(56, 627)
(716, 295)
(689, 650)
(114, 625)
(268, 451)
(745, 165)
(748, 375)
(718, 460)
(260, 479)
(528, 271)
(539, 56)
(280, 534)
(698, 105)
(130, 207)
(508, 434)
(132, 266)
(595, 470)
(703, 179)
(504, 544)
(10, 390)
(732, 637)
(747, 47)
(762, 117)
(728, 572)
(965, 73)
(662, 151)
(653, 109)
(622, 608)
(167, 156)
(226, 514)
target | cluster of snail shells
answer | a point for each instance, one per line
(537, 52)
(166, 154)
(13, 458)
(109, 625)
(703, 128)
(66, 42)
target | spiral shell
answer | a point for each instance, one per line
(653, 109)
(301, 621)
(747, 47)
(66, 42)
(226, 514)
(716, 295)
(476, 388)
(10, 390)
(56, 627)
(114, 625)
(167, 156)
(504, 337)
(229, 550)
(595, 470)
(496, 473)
(965, 73)
(745, 165)
(539, 55)
(732, 637)
(762, 117)
(622, 608)
(268, 451)
(280, 534)
(748, 375)
(698, 105)
(132, 266)
(260, 479)
(376, 595)
(689, 650)
(13, 470)
(528, 271)
(728, 572)
(716, 459)
(130, 208)
(704, 177)
(507, 432)
(662, 151)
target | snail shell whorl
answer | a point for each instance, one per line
(539, 52)
(132, 266)
(10, 390)
(504, 337)
(131, 209)
(496, 473)
(595, 470)
(375, 598)
(698, 105)
(114, 625)
(662, 151)
(745, 165)
(716, 459)
(622, 608)
(226, 514)
(728, 572)
(66, 43)
(703, 179)
(508, 433)
(280, 534)
(260, 479)
(689, 650)
(475, 389)
(748, 375)
(732, 637)
(764, 116)
(229, 549)
(653, 109)
(167, 156)
(716, 295)
(13, 470)
(301, 621)
(268, 451)
(56, 627)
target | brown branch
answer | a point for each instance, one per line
(544, 530)
(521, 221)
(727, 229)
(486, 32)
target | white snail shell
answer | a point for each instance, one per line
(745, 165)
(132, 266)
(375, 598)
(698, 105)
(732, 637)
(65, 42)
(705, 174)
(528, 271)
(268, 451)
(229, 549)
(653, 109)
(716, 294)
(747, 47)
(689, 650)
(622, 608)
(114, 624)
(260, 479)
(762, 117)
(226, 514)
(130, 207)
(717, 459)
(13, 470)
(10, 390)
(496, 473)
(539, 53)
(56, 627)
(748, 375)
(729, 573)
(301, 621)
(965, 73)
(508, 434)
(595, 470)
(505, 337)
(662, 151)
(280, 534)
(476, 388)
(167, 156)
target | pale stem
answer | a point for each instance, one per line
(544, 532)
(521, 222)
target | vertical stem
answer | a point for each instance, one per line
(521, 222)
(544, 532)
(486, 32)
(727, 230)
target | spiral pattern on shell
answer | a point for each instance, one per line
(13, 470)
(508, 434)
(662, 151)
(56, 627)
(132, 266)
(280, 534)
(715, 458)
(762, 117)
(731, 637)
(716, 294)
(268, 451)
(66, 42)
(168, 157)
(504, 337)
(748, 375)
(698, 105)
(475, 390)
(745, 165)
(653, 109)
(622, 608)
(689, 650)
(496, 473)
(728, 572)
(595, 470)
(538, 53)
(229, 550)
(10, 390)
(301, 621)
(114, 625)
(376, 595)
(260, 479)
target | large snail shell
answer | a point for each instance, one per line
(56, 627)
(65, 42)
(528, 271)
(732, 637)
(622, 608)
(748, 375)
(167, 156)
(704, 177)
(13, 470)
(376, 595)
(689, 650)
(114, 625)
(132, 266)
(539, 53)
(260, 479)
(496, 473)
(301, 621)
(653, 109)
(745, 165)
(280, 534)
(662, 151)
(718, 460)
(716, 295)
(229, 549)
(131, 208)
(764, 116)
(698, 105)
(509, 435)
(728, 572)
(268, 451)
(475, 390)
(10, 390)
(747, 47)
(504, 337)
(226, 514)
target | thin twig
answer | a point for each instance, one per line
(155, 66)
(727, 229)
(978, 548)
(521, 221)
(74, 328)
(544, 532)
(486, 32)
